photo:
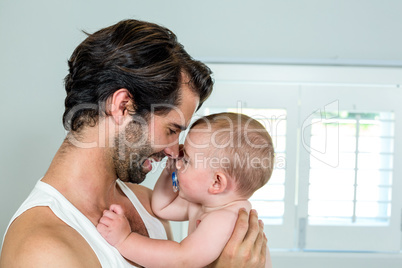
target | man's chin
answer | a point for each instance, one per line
(139, 178)
(136, 176)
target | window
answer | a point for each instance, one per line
(358, 189)
(336, 129)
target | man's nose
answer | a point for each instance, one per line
(172, 151)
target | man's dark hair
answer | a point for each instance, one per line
(142, 57)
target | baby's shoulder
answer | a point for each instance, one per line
(232, 208)
(235, 206)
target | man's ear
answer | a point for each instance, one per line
(219, 183)
(119, 105)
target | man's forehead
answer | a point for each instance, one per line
(175, 117)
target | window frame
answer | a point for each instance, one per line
(360, 238)
(291, 87)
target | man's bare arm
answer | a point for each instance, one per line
(38, 238)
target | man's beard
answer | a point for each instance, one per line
(130, 151)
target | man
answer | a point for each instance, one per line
(131, 90)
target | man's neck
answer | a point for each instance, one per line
(85, 177)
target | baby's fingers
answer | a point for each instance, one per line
(105, 221)
(117, 209)
(110, 214)
(102, 229)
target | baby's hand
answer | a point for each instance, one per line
(114, 226)
(171, 161)
(170, 165)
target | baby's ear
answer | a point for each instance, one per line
(219, 183)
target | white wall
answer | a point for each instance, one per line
(37, 37)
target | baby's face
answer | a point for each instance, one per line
(194, 172)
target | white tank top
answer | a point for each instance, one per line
(45, 195)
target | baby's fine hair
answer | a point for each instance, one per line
(245, 144)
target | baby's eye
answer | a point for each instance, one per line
(185, 161)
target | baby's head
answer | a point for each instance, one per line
(238, 146)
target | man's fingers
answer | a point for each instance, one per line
(264, 248)
(240, 228)
(253, 227)
(261, 244)
(260, 237)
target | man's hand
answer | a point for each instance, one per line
(247, 246)
(114, 226)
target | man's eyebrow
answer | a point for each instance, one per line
(182, 128)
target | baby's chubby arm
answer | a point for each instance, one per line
(213, 233)
(114, 226)
(167, 204)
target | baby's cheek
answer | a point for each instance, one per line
(184, 184)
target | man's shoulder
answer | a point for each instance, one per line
(38, 237)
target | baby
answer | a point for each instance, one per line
(226, 158)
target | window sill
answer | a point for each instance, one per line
(335, 259)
